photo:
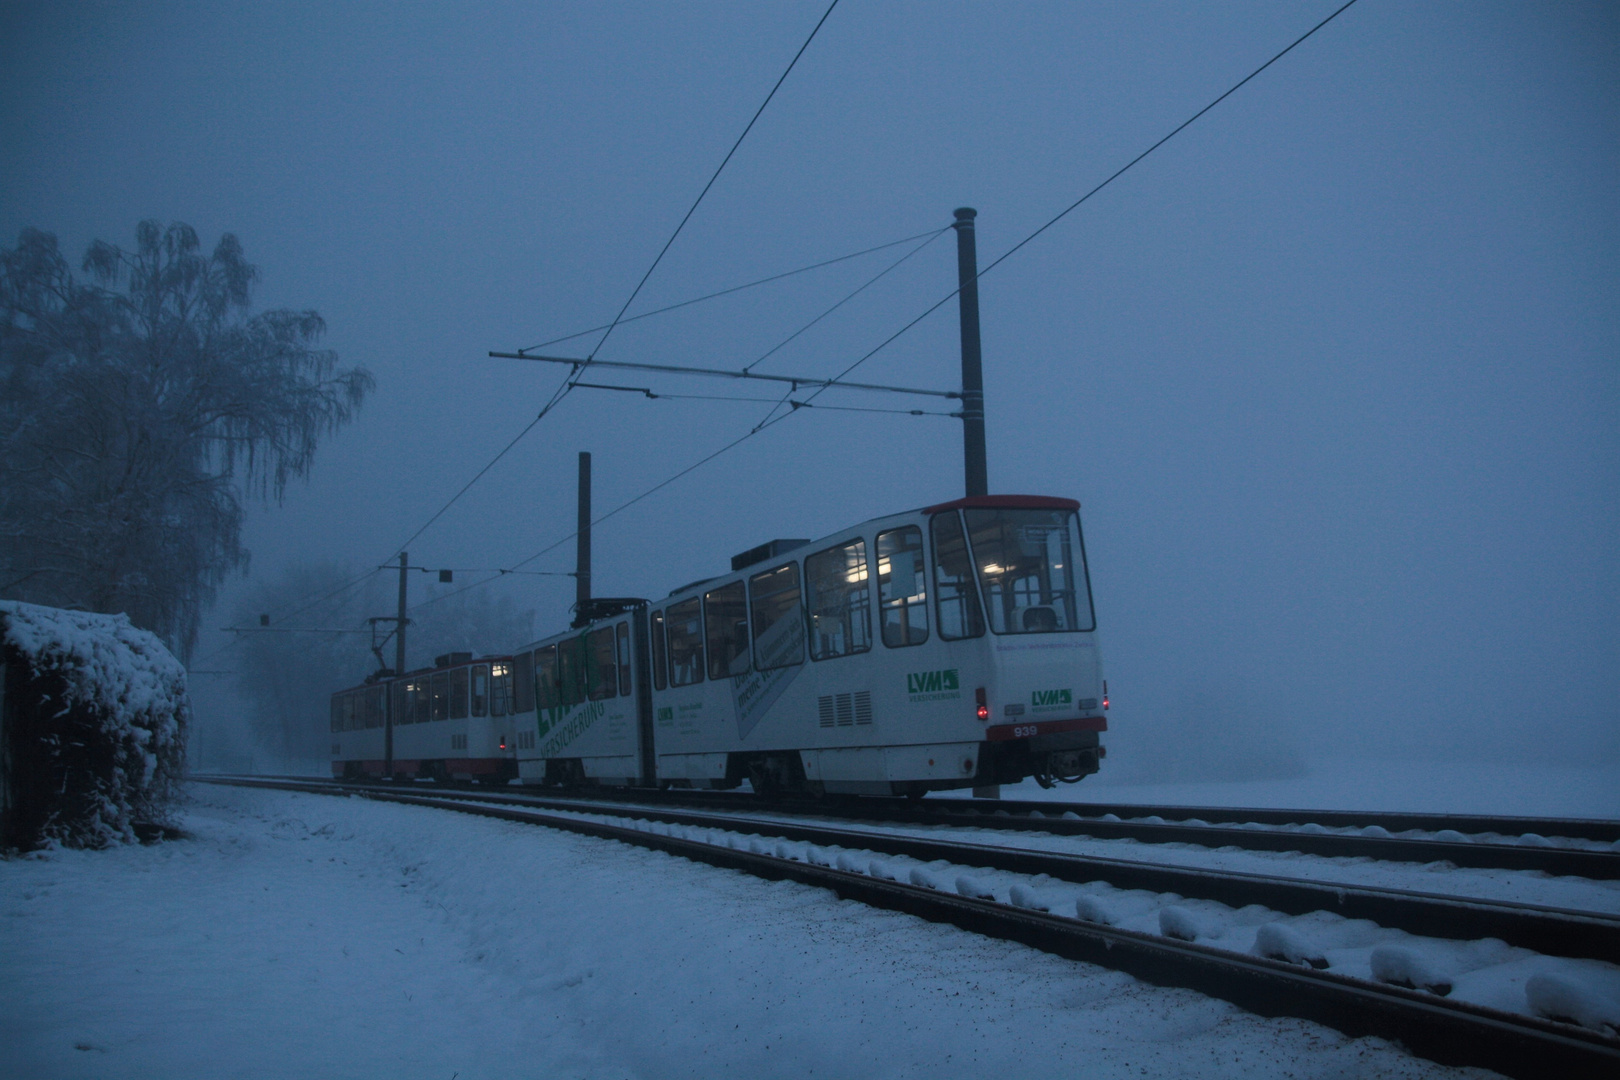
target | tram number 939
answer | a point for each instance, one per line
(1024, 731)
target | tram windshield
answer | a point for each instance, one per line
(1032, 570)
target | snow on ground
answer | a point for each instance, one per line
(1485, 972)
(307, 936)
(1414, 786)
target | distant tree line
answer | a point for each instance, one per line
(140, 405)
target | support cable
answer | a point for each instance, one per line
(568, 384)
(1114, 176)
(654, 395)
(931, 237)
(757, 113)
(773, 419)
(733, 289)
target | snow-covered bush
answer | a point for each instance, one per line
(96, 714)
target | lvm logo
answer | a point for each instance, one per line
(933, 685)
(1051, 699)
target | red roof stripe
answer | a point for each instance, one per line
(1010, 502)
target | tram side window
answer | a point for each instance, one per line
(571, 681)
(622, 636)
(546, 694)
(500, 689)
(955, 593)
(458, 693)
(407, 704)
(396, 701)
(374, 707)
(441, 695)
(839, 599)
(480, 690)
(337, 713)
(658, 652)
(778, 621)
(424, 700)
(685, 643)
(601, 670)
(523, 684)
(902, 588)
(725, 618)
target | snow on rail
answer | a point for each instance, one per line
(1486, 972)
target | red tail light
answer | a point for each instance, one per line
(503, 737)
(984, 703)
(1105, 695)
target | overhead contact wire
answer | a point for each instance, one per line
(1114, 176)
(774, 419)
(735, 289)
(693, 209)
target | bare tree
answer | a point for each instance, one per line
(137, 410)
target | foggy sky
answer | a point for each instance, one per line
(1335, 373)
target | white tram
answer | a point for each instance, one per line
(453, 721)
(947, 647)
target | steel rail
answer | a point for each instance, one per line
(953, 809)
(1395, 821)
(1449, 1032)
(1552, 931)
(963, 813)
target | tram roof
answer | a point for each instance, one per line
(1004, 502)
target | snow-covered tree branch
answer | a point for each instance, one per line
(138, 408)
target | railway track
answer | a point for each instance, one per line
(1595, 829)
(1063, 819)
(1283, 830)
(1451, 1032)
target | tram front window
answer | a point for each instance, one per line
(1032, 570)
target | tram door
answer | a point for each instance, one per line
(642, 672)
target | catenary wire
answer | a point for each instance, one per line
(779, 402)
(655, 395)
(734, 289)
(616, 510)
(568, 384)
(931, 237)
(771, 420)
(1072, 206)
(726, 160)
(541, 415)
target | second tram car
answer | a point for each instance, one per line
(453, 721)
